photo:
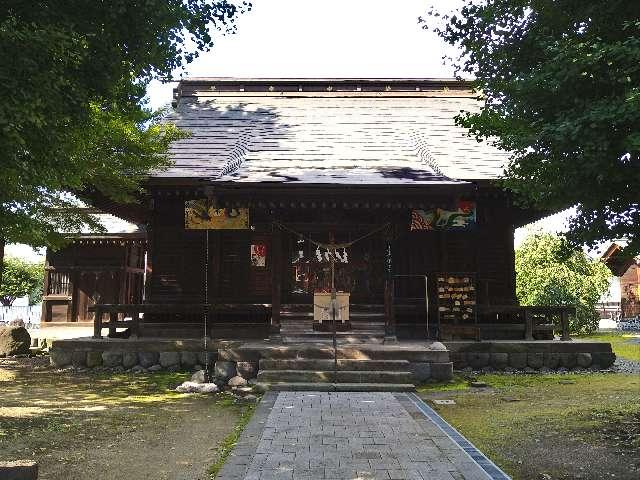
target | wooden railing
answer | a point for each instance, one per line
(535, 319)
(222, 317)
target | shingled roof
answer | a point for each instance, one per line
(340, 131)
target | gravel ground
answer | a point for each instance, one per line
(622, 365)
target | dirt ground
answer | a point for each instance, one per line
(571, 426)
(108, 427)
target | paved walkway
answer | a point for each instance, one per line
(312, 435)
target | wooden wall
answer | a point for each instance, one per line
(82, 274)
(179, 256)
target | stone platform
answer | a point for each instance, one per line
(538, 354)
(288, 366)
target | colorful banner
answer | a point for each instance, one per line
(439, 219)
(200, 215)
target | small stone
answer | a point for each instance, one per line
(169, 359)
(148, 359)
(94, 359)
(487, 369)
(199, 377)
(129, 359)
(247, 369)
(544, 369)
(237, 381)
(544, 476)
(479, 384)
(225, 370)
(138, 369)
(118, 369)
(566, 382)
(247, 399)
(529, 370)
(562, 370)
(187, 387)
(155, 368)
(111, 359)
(208, 388)
(243, 391)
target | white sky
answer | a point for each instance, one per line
(328, 38)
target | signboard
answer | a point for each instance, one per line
(456, 298)
(463, 217)
(200, 215)
(258, 255)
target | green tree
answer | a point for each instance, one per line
(561, 87)
(20, 278)
(551, 272)
(72, 115)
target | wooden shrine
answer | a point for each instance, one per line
(274, 168)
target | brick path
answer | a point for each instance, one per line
(312, 435)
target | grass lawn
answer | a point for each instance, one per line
(566, 426)
(624, 344)
(79, 426)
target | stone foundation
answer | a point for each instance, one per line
(537, 355)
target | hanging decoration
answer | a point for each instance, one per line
(335, 253)
(201, 215)
(259, 255)
(463, 217)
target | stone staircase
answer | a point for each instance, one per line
(319, 374)
(367, 323)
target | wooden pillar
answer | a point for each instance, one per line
(528, 324)
(276, 279)
(97, 323)
(564, 322)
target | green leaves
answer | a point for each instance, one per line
(72, 120)
(550, 272)
(560, 82)
(19, 279)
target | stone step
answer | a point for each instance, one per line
(327, 364)
(341, 337)
(342, 387)
(328, 376)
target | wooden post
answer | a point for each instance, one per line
(528, 324)
(97, 323)
(113, 318)
(564, 322)
(276, 279)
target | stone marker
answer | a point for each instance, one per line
(14, 341)
(19, 470)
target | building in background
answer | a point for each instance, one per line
(627, 275)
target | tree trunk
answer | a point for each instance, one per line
(2, 242)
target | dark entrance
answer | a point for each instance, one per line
(359, 268)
